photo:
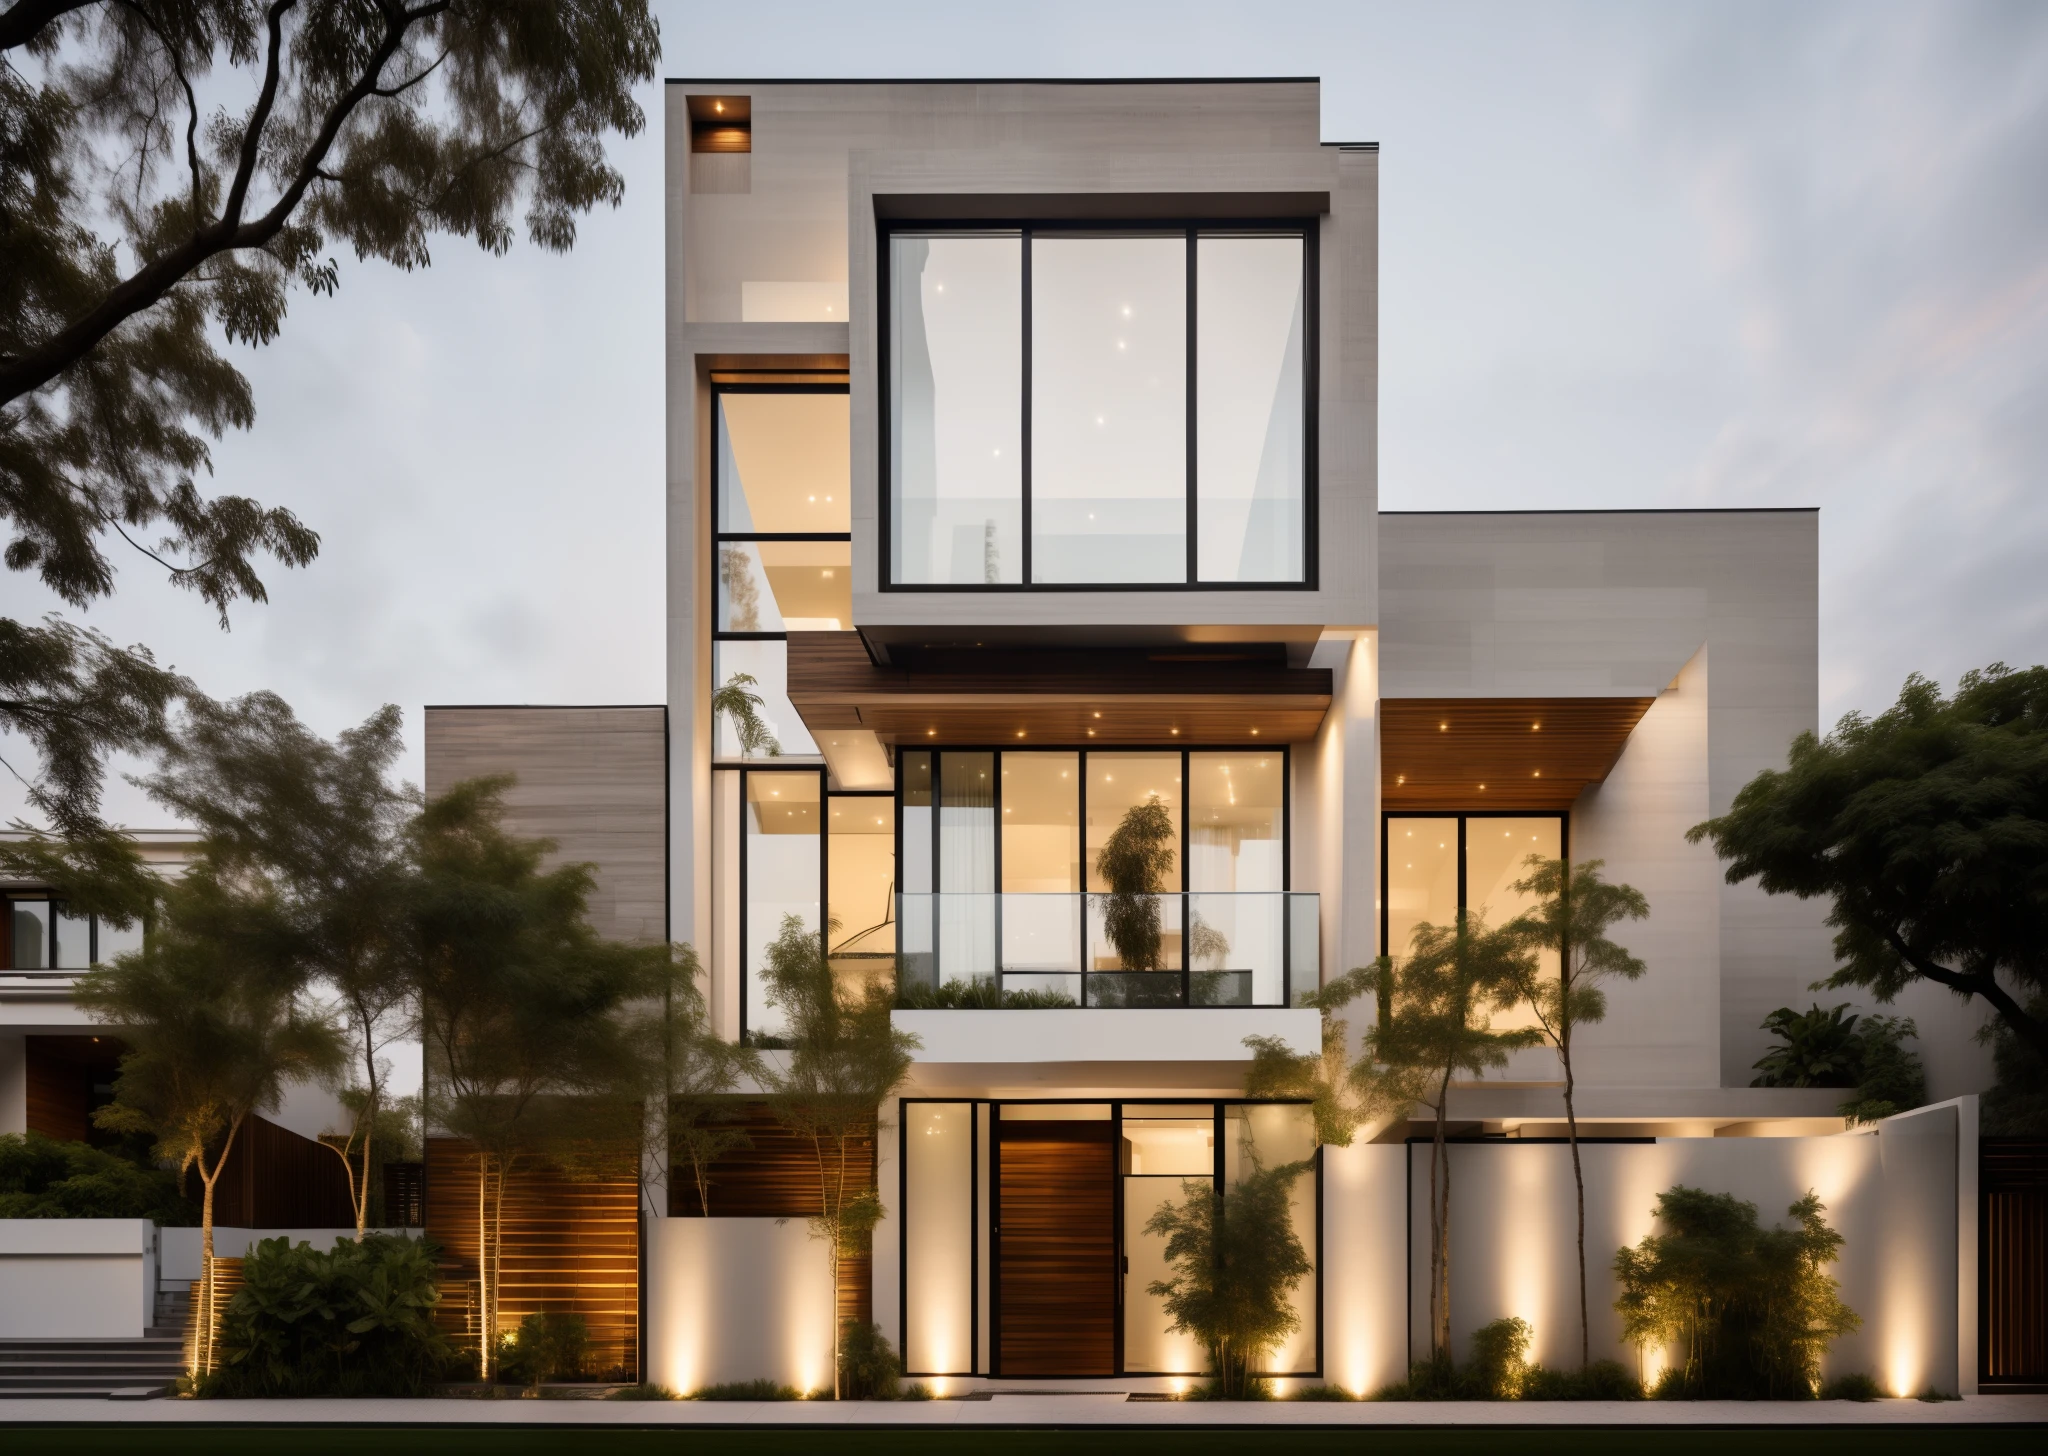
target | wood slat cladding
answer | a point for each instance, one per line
(569, 1246)
(61, 1073)
(1055, 1249)
(1067, 697)
(275, 1178)
(594, 780)
(2013, 1239)
(1499, 753)
(778, 1178)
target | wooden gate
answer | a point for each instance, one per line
(2012, 1257)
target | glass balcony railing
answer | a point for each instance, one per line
(1199, 948)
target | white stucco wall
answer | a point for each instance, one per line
(1903, 1196)
(76, 1278)
(733, 1299)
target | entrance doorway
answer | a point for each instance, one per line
(1054, 1227)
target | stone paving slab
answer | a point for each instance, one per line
(1065, 1409)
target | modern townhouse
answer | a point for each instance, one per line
(1023, 469)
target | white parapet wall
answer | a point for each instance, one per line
(1902, 1194)
(76, 1278)
(736, 1299)
(181, 1245)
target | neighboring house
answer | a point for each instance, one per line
(1023, 452)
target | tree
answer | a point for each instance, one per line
(1753, 1308)
(1439, 1023)
(743, 709)
(1134, 862)
(702, 1070)
(211, 1010)
(1235, 1259)
(845, 1058)
(527, 1015)
(324, 825)
(1575, 907)
(1343, 1095)
(2017, 1103)
(169, 169)
(1926, 827)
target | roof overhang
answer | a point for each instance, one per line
(1499, 753)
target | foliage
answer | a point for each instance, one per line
(1343, 1096)
(1322, 1392)
(1751, 1309)
(1437, 1022)
(744, 710)
(211, 1011)
(700, 1070)
(1830, 1048)
(323, 825)
(74, 697)
(1596, 1380)
(42, 1177)
(983, 993)
(356, 1321)
(1926, 828)
(548, 1346)
(748, 1390)
(1575, 908)
(1501, 1370)
(168, 171)
(846, 1058)
(1235, 1260)
(1134, 862)
(1853, 1386)
(539, 1034)
(868, 1367)
(2017, 1104)
(1500, 1357)
(645, 1390)
(916, 1390)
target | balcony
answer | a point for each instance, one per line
(1195, 949)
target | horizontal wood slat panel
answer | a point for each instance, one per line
(1499, 753)
(778, 1178)
(1055, 1249)
(569, 1247)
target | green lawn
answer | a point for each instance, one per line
(516, 1441)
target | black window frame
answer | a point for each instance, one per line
(1463, 816)
(721, 538)
(1308, 229)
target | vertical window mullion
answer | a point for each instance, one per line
(1188, 482)
(1024, 435)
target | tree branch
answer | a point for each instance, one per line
(2014, 1015)
(25, 20)
(259, 117)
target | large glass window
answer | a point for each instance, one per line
(1436, 864)
(956, 457)
(38, 933)
(782, 553)
(860, 883)
(1119, 783)
(1072, 409)
(1109, 410)
(780, 872)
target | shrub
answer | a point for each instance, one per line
(1500, 1358)
(1855, 1386)
(1322, 1392)
(1601, 1380)
(1831, 1048)
(356, 1321)
(645, 1390)
(45, 1177)
(1752, 1309)
(916, 1390)
(982, 994)
(547, 1347)
(868, 1369)
(747, 1390)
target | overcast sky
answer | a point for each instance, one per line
(1632, 255)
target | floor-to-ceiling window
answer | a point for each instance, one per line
(782, 553)
(1072, 406)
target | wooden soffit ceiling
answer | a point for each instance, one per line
(1025, 696)
(1499, 753)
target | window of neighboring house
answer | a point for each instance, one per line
(42, 934)
(1073, 408)
(782, 552)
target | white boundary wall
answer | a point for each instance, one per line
(76, 1278)
(732, 1299)
(1903, 1196)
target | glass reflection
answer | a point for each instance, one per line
(767, 663)
(1422, 878)
(781, 848)
(784, 463)
(956, 371)
(1250, 425)
(1108, 409)
(785, 586)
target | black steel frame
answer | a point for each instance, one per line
(989, 1367)
(1194, 229)
(1463, 816)
(1081, 829)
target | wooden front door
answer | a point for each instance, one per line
(1055, 1248)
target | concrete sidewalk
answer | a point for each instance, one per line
(1011, 1410)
